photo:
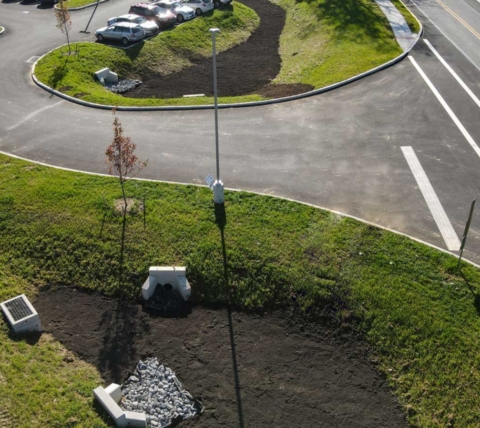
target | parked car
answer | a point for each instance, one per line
(125, 32)
(219, 3)
(183, 13)
(199, 6)
(149, 27)
(163, 18)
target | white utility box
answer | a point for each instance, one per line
(21, 315)
(106, 76)
(169, 277)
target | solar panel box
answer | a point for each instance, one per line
(21, 315)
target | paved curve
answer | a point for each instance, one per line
(340, 150)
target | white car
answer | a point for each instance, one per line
(184, 13)
(125, 32)
(199, 6)
(149, 27)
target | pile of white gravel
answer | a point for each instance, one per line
(155, 390)
(122, 85)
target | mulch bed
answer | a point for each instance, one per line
(245, 69)
(288, 376)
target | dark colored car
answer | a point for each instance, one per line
(220, 3)
(163, 18)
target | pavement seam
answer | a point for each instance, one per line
(420, 241)
(237, 105)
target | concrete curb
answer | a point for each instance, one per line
(2, 30)
(73, 9)
(223, 106)
(248, 191)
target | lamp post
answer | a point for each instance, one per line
(217, 185)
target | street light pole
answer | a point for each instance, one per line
(217, 185)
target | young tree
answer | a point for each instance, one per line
(121, 159)
(63, 20)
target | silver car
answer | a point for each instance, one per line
(199, 6)
(149, 27)
(184, 13)
(125, 32)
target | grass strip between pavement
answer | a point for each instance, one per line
(418, 314)
(323, 42)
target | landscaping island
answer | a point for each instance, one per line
(267, 50)
(321, 303)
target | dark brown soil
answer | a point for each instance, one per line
(288, 376)
(245, 69)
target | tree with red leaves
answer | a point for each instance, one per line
(121, 160)
(63, 20)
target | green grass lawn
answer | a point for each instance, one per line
(327, 41)
(78, 3)
(323, 42)
(417, 313)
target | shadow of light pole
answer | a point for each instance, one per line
(221, 220)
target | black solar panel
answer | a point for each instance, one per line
(18, 308)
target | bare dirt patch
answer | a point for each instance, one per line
(288, 376)
(134, 206)
(245, 69)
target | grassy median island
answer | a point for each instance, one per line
(418, 314)
(323, 42)
(327, 41)
(166, 53)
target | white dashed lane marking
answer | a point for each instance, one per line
(431, 198)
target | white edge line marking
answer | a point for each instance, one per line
(457, 122)
(29, 116)
(444, 35)
(452, 72)
(230, 189)
(438, 213)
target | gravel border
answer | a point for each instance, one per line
(236, 105)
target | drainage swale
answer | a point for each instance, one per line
(156, 390)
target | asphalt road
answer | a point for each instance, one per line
(341, 150)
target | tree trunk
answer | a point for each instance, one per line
(68, 40)
(124, 198)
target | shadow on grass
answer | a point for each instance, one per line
(58, 74)
(29, 338)
(131, 51)
(476, 297)
(221, 220)
(344, 14)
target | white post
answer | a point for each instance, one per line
(217, 185)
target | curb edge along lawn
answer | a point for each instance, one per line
(73, 9)
(231, 105)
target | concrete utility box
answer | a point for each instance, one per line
(106, 76)
(21, 315)
(169, 277)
